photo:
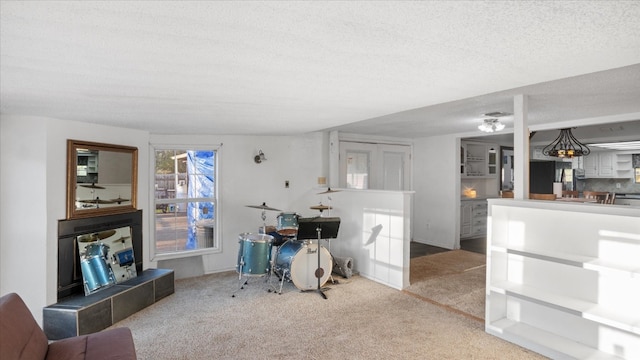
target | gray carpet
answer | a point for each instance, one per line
(361, 319)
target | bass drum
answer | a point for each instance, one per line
(298, 261)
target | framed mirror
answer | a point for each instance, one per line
(101, 179)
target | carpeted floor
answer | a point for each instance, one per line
(453, 279)
(360, 319)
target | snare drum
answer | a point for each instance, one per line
(287, 224)
(254, 254)
(298, 261)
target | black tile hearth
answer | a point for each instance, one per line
(80, 315)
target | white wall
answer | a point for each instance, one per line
(375, 232)
(436, 182)
(242, 182)
(33, 198)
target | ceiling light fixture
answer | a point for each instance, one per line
(566, 145)
(491, 125)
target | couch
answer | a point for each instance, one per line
(22, 338)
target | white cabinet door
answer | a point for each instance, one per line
(605, 164)
(465, 219)
(591, 165)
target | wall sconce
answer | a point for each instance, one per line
(260, 157)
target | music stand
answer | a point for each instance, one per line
(318, 228)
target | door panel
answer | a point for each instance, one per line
(375, 166)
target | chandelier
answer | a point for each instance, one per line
(491, 125)
(566, 145)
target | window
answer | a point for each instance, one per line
(185, 200)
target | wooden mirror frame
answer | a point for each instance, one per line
(128, 205)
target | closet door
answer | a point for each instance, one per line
(375, 166)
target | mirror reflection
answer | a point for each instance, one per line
(101, 178)
(506, 173)
(106, 259)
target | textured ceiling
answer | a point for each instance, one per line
(405, 69)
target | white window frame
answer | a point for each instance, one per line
(217, 248)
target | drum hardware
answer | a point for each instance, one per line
(264, 207)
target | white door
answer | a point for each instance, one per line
(375, 166)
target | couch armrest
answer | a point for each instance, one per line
(20, 335)
(112, 344)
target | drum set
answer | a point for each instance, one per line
(291, 251)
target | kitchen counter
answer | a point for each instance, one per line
(628, 196)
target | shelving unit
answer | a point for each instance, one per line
(479, 160)
(564, 291)
(623, 167)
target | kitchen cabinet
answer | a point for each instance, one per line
(623, 166)
(608, 164)
(478, 160)
(473, 218)
(566, 292)
(599, 165)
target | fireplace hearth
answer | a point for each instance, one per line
(78, 314)
(70, 280)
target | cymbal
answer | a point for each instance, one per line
(97, 236)
(121, 239)
(93, 186)
(263, 207)
(328, 191)
(320, 207)
(120, 200)
(96, 201)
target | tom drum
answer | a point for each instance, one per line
(287, 224)
(254, 254)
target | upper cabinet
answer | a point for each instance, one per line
(478, 160)
(608, 164)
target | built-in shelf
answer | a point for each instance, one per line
(533, 338)
(587, 262)
(585, 309)
(564, 291)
